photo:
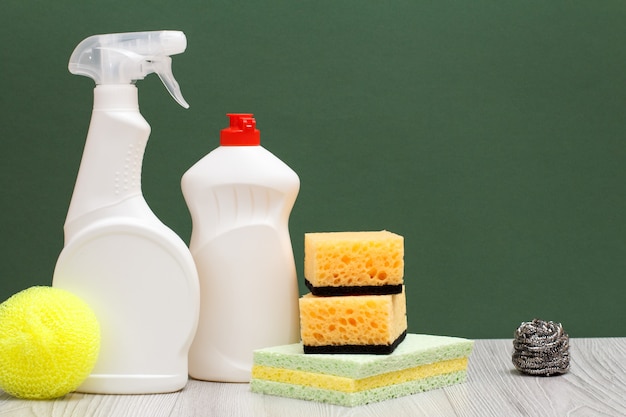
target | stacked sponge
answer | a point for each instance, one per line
(357, 302)
(355, 348)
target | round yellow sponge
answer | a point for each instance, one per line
(49, 343)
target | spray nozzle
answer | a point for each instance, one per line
(122, 58)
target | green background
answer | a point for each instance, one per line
(490, 134)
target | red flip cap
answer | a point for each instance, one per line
(241, 132)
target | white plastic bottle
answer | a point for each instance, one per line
(137, 274)
(240, 197)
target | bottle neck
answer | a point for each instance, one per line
(121, 97)
(110, 169)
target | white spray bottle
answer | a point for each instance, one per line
(137, 274)
(240, 197)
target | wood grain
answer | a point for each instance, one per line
(595, 386)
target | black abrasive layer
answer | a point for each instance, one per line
(356, 290)
(358, 349)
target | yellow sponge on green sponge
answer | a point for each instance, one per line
(49, 343)
(352, 323)
(420, 363)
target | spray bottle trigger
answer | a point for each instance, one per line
(163, 68)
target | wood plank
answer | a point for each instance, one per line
(595, 386)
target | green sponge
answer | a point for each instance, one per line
(361, 397)
(420, 363)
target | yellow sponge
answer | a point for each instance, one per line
(49, 343)
(352, 324)
(350, 385)
(353, 259)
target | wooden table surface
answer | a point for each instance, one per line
(595, 386)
